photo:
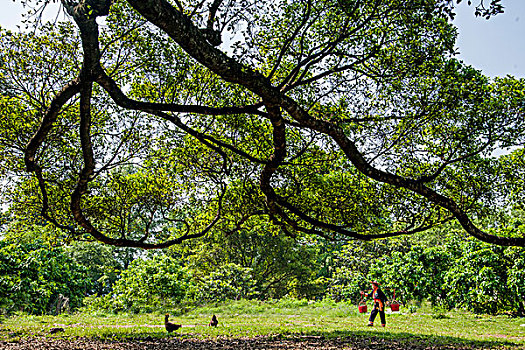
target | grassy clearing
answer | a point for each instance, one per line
(285, 318)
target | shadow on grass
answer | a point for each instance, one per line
(411, 341)
(357, 339)
(376, 339)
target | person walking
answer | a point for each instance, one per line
(379, 304)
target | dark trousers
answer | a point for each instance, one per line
(374, 312)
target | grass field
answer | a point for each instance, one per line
(285, 318)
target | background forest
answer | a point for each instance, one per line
(446, 268)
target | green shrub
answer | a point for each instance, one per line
(147, 285)
(478, 280)
(34, 275)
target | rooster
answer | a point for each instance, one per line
(170, 327)
(214, 322)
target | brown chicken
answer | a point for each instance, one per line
(170, 327)
(214, 322)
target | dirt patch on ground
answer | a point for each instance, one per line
(257, 343)
(504, 336)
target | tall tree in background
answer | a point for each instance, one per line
(159, 121)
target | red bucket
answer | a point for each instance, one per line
(394, 306)
(362, 308)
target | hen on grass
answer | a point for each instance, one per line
(170, 327)
(214, 322)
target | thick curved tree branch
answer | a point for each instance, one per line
(357, 159)
(50, 116)
(84, 86)
(198, 45)
(58, 102)
(158, 109)
(122, 100)
(275, 160)
(213, 36)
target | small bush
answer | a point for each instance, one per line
(146, 286)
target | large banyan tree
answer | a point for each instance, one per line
(144, 123)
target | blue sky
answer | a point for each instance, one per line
(495, 46)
